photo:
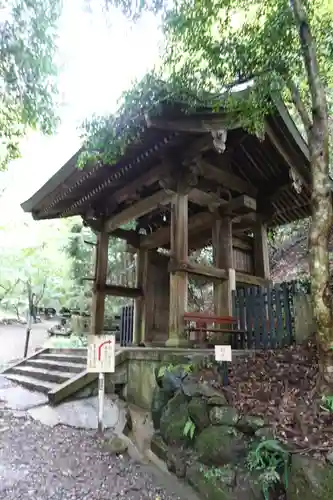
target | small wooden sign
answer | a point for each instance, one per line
(223, 353)
(101, 354)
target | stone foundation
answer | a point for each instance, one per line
(206, 441)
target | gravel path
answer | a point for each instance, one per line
(62, 463)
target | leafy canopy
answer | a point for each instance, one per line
(211, 46)
(27, 70)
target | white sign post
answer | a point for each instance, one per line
(223, 354)
(101, 360)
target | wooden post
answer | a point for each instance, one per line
(101, 268)
(261, 255)
(178, 279)
(223, 259)
(140, 303)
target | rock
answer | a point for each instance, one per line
(198, 411)
(223, 415)
(192, 387)
(159, 447)
(209, 482)
(309, 479)
(86, 392)
(247, 486)
(160, 399)
(265, 433)
(219, 445)
(173, 378)
(329, 457)
(250, 424)
(128, 427)
(218, 400)
(176, 462)
(173, 420)
(117, 445)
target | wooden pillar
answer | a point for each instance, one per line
(101, 269)
(261, 255)
(140, 310)
(178, 279)
(223, 259)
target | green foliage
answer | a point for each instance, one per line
(327, 404)
(33, 263)
(27, 69)
(66, 343)
(186, 368)
(271, 460)
(211, 47)
(213, 474)
(107, 137)
(189, 428)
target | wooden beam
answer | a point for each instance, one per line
(248, 279)
(178, 281)
(101, 268)
(140, 306)
(240, 205)
(162, 236)
(198, 223)
(206, 271)
(285, 155)
(194, 123)
(223, 259)
(131, 237)
(146, 179)
(227, 179)
(137, 210)
(120, 291)
(261, 255)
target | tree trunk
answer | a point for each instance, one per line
(318, 139)
(319, 240)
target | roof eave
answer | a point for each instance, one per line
(59, 177)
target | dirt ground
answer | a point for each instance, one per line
(12, 340)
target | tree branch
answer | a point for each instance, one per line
(319, 106)
(296, 97)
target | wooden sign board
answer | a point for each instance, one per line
(223, 353)
(101, 354)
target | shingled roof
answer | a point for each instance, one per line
(264, 164)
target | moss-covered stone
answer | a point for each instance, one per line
(177, 462)
(173, 420)
(209, 483)
(309, 479)
(250, 424)
(223, 483)
(198, 412)
(217, 400)
(219, 445)
(159, 446)
(264, 433)
(159, 401)
(223, 415)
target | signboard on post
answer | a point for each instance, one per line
(101, 359)
(101, 354)
(223, 353)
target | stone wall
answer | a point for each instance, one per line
(142, 364)
(220, 452)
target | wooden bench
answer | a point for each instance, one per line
(203, 324)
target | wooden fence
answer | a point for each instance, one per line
(266, 316)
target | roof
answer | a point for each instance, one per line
(264, 164)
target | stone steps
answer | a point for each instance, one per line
(47, 364)
(31, 383)
(54, 376)
(61, 373)
(47, 371)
